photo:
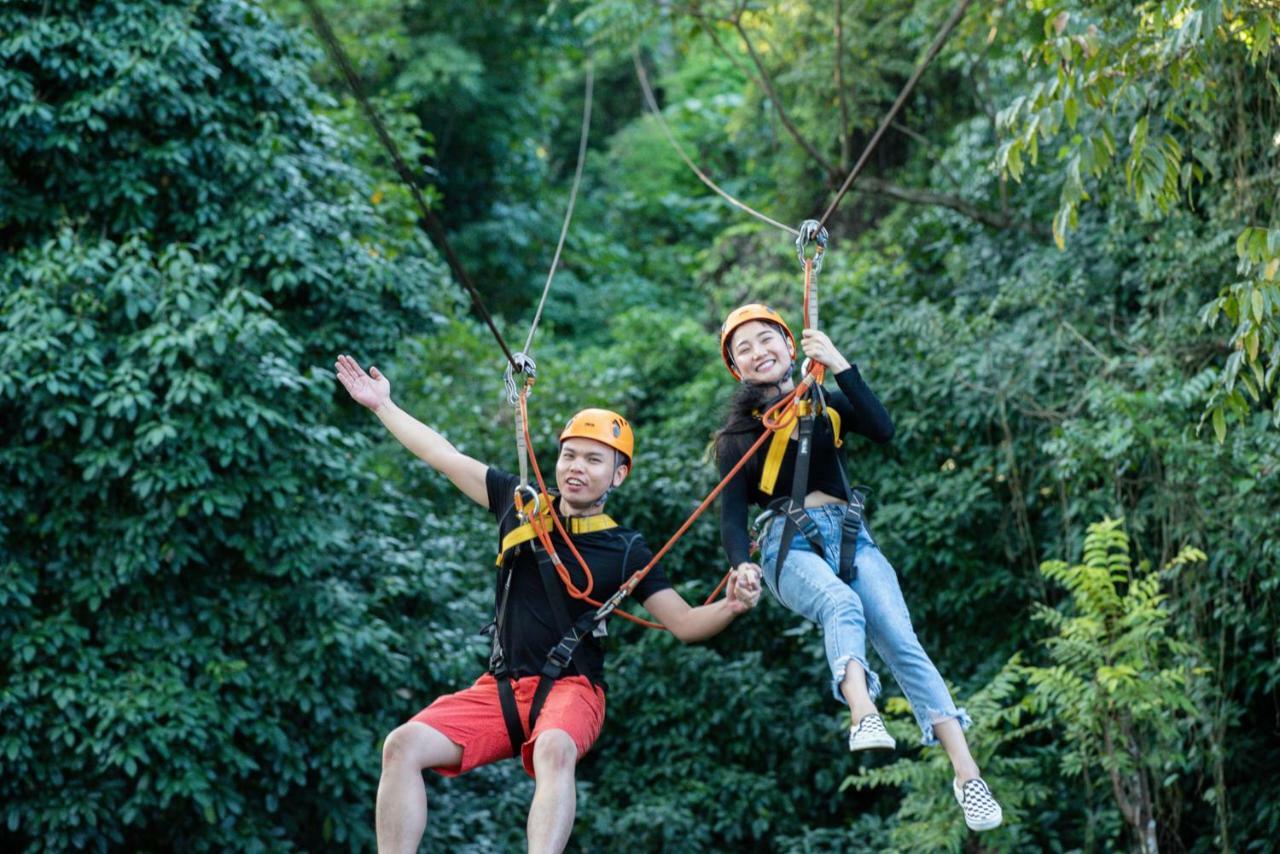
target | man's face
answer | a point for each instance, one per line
(585, 469)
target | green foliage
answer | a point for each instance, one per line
(1023, 780)
(1157, 75)
(1124, 688)
(191, 230)
(198, 622)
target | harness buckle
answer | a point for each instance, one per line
(560, 656)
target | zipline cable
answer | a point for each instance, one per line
(523, 361)
(934, 48)
(573, 197)
(429, 222)
(939, 40)
(652, 103)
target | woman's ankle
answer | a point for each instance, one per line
(857, 713)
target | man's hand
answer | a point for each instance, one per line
(817, 346)
(371, 391)
(743, 589)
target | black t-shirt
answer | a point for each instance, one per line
(860, 412)
(529, 628)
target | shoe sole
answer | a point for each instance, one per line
(873, 745)
(989, 824)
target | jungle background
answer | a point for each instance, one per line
(222, 585)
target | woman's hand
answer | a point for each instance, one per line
(817, 346)
(371, 389)
(744, 584)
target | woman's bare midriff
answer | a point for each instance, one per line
(818, 498)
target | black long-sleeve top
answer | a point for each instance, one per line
(860, 412)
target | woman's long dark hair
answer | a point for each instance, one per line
(741, 425)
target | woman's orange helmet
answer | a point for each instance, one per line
(746, 314)
(604, 426)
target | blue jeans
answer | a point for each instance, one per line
(872, 606)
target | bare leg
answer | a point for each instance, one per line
(854, 688)
(953, 741)
(555, 759)
(402, 796)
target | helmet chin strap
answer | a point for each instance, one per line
(617, 464)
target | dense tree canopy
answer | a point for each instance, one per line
(222, 585)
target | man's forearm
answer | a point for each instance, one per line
(423, 442)
(705, 621)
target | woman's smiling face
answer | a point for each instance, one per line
(760, 352)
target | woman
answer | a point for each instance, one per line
(759, 350)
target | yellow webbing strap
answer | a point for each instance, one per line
(778, 447)
(574, 524)
(773, 460)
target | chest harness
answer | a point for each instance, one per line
(791, 507)
(573, 632)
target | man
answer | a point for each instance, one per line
(491, 719)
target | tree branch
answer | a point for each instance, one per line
(767, 84)
(929, 146)
(1122, 792)
(915, 196)
(697, 15)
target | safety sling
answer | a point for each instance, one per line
(791, 507)
(572, 631)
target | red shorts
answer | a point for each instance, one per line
(472, 719)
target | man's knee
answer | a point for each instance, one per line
(555, 751)
(411, 745)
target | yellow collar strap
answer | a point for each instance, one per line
(574, 525)
(778, 447)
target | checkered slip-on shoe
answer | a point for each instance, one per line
(981, 812)
(870, 734)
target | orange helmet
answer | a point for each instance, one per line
(746, 314)
(604, 426)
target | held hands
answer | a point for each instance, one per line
(743, 590)
(372, 389)
(817, 346)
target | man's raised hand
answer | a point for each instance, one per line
(371, 389)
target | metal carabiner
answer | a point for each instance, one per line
(522, 508)
(522, 364)
(811, 231)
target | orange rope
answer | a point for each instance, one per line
(771, 420)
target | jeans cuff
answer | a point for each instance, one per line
(934, 716)
(841, 665)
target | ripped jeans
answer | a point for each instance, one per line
(871, 607)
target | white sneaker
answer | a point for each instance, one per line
(981, 812)
(870, 734)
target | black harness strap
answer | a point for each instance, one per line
(566, 649)
(561, 655)
(850, 525)
(498, 666)
(798, 520)
(793, 508)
